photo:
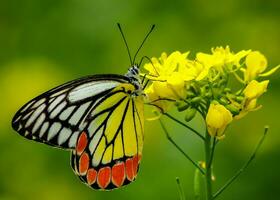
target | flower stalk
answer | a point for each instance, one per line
(245, 166)
(208, 168)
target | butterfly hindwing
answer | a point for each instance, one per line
(57, 116)
(109, 149)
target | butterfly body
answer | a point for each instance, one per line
(99, 119)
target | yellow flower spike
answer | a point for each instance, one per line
(255, 89)
(256, 63)
(217, 119)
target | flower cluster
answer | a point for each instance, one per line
(206, 85)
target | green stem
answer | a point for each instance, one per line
(212, 151)
(185, 125)
(180, 149)
(208, 172)
(245, 166)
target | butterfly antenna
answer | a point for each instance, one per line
(152, 28)
(128, 51)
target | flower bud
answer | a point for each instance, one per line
(183, 106)
(239, 99)
(190, 114)
(217, 119)
(223, 101)
(196, 100)
(233, 109)
(227, 90)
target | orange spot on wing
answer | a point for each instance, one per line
(91, 176)
(82, 143)
(129, 169)
(83, 163)
(103, 177)
(135, 160)
(118, 174)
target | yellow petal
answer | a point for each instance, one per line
(255, 89)
(256, 63)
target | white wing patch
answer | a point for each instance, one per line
(90, 89)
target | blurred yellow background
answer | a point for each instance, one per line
(46, 43)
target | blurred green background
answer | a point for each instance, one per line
(45, 43)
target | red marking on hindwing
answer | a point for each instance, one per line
(129, 169)
(135, 161)
(83, 163)
(91, 176)
(103, 177)
(82, 143)
(118, 174)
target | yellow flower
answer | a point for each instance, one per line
(221, 56)
(154, 99)
(165, 65)
(217, 119)
(193, 70)
(176, 65)
(256, 64)
(168, 82)
(255, 89)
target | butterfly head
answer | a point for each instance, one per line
(133, 71)
(133, 75)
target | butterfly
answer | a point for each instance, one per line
(99, 118)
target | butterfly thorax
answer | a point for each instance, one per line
(133, 75)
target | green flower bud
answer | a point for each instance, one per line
(183, 106)
(208, 94)
(196, 100)
(215, 85)
(223, 101)
(233, 109)
(239, 99)
(190, 114)
(223, 82)
(227, 90)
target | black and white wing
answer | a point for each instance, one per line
(57, 117)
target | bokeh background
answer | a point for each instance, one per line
(45, 43)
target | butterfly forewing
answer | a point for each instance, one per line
(109, 149)
(57, 116)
